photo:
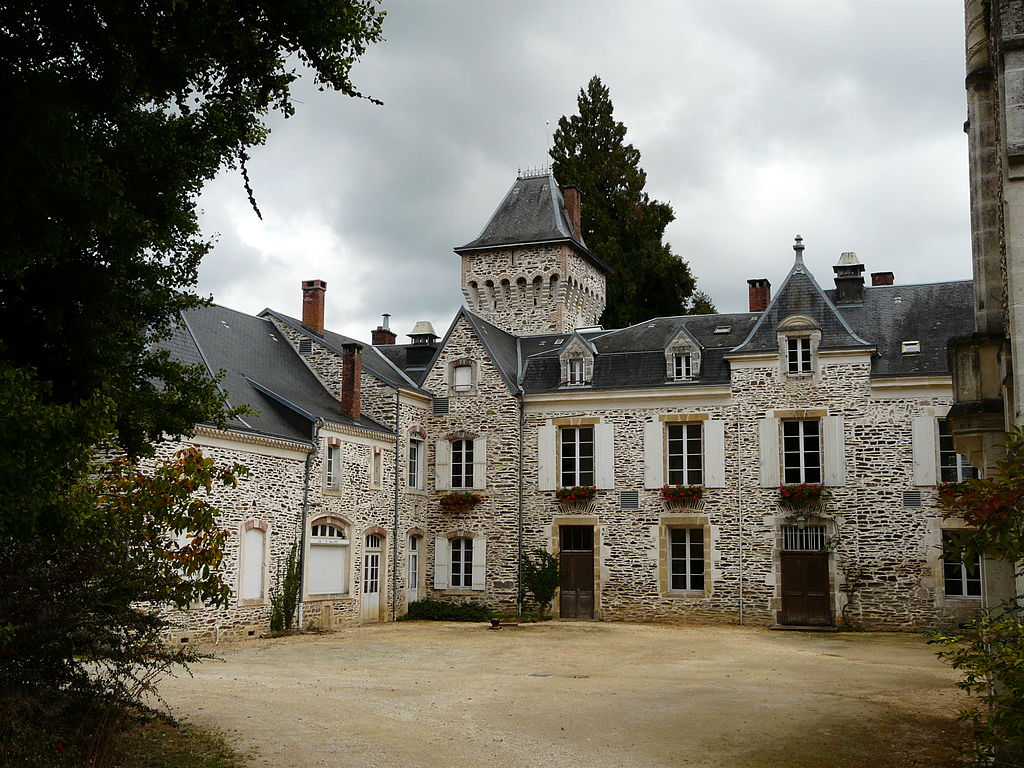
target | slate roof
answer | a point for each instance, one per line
(261, 370)
(532, 211)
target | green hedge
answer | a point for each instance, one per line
(442, 610)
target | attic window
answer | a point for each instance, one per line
(911, 347)
(576, 372)
(305, 346)
(723, 328)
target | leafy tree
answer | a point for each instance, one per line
(621, 224)
(542, 575)
(989, 651)
(116, 114)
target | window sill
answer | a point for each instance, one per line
(252, 601)
(327, 596)
(460, 591)
(688, 594)
(332, 491)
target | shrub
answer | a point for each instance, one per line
(284, 595)
(542, 575)
(444, 610)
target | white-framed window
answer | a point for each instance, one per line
(462, 563)
(462, 377)
(684, 453)
(462, 463)
(413, 578)
(799, 354)
(682, 366)
(686, 559)
(332, 467)
(576, 456)
(952, 466)
(577, 371)
(415, 463)
(801, 451)
(252, 560)
(961, 578)
(327, 568)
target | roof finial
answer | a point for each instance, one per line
(798, 246)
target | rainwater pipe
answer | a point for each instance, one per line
(739, 509)
(394, 535)
(310, 458)
(519, 555)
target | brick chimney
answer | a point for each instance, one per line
(759, 293)
(849, 279)
(382, 334)
(351, 376)
(313, 305)
(882, 278)
(571, 196)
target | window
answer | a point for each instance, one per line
(376, 467)
(462, 563)
(332, 467)
(328, 557)
(577, 456)
(253, 555)
(682, 366)
(685, 454)
(686, 559)
(799, 354)
(801, 452)
(952, 466)
(463, 378)
(961, 578)
(413, 580)
(576, 372)
(415, 462)
(462, 463)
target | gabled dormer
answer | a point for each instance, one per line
(576, 362)
(682, 357)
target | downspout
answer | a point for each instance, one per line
(519, 554)
(394, 535)
(739, 511)
(310, 457)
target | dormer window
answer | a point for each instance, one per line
(682, 366)
(799, 357)
(577, 373)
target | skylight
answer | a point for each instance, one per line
(911, 347)
(723, 329)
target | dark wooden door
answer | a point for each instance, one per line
(576, 557)
(805, 598)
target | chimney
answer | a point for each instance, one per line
(424, 344)
(759, 292)
(571, 196)
(351, 375)
(849, 279)
(383, 335)
(313, 305)
(882, 278)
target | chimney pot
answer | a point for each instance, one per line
(759, 292)
(882, 278)
(351, 379)
(313, 305)
(383, 335)
(571, 197)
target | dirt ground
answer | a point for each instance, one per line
(577, 694)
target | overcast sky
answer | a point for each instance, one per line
(840, 120)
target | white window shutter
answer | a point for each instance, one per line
(654, 454)
(546, 464)
(442, 465)
(479, 563)
(834, 441)
(480, 463)
(604, 455)
(925, 438)
(768, 443)
(714, 453)
(442, 562)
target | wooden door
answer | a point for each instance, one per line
(576, 558)
(805, 597)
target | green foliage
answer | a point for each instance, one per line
(542, 574)
(443, 610)
(989, 652)
(284, 595)
(622, 226)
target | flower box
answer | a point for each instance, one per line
(579, 493)
(460, 501)
(950, 490)
(803, 495)
(682, 495)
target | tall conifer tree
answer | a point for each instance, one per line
(621, 224)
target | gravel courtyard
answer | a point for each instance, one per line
(576, 694)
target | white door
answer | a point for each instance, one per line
(371, 578)
(412, 580)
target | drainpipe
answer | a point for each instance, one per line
(519, 555)
(739, 511)
(394, 535)
(305, 515)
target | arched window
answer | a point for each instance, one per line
(328, 557)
